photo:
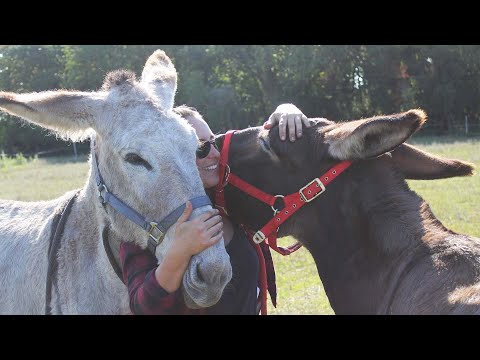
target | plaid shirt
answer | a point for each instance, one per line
(147, 297)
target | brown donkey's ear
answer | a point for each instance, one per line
(417, 164)
(366, 138)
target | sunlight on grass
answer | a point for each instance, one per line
(42, 179)
(455, 202)
(299, 288)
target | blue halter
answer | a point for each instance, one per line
(156, 230)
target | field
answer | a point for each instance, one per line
(453, 201)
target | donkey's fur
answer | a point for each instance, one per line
(377, 246)
(159, 174)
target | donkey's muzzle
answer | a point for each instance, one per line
(206, 277)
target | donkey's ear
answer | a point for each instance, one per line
(160, 75)
(417, 164)
(70, 114)
(372, 137)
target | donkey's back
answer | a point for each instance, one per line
(25, 229)
(445, 280)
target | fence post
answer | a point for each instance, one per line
(75, 150)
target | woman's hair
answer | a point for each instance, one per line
(186, 111)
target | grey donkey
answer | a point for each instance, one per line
(146, 160)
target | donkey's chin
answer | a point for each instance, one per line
(204, 281)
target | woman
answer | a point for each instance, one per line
(154, 289)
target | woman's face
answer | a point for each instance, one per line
(208, 166)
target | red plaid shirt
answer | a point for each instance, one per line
(147, 297)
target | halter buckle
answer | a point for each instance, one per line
(258, 237)
(319, 184)
(101, 188)
(153, 226)
(275, 211)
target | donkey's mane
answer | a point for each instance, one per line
(118, 78)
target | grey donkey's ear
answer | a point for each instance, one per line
(70, 114)
(362, 139)
(160, 75)
(417, 164)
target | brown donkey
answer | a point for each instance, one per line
(377, 245)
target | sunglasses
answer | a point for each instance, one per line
(204, 147)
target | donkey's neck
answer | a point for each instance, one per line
(83, 260)
(361, 262)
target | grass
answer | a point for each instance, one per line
(454, 201)
(41, 179)
(9, 162)
(300, 291)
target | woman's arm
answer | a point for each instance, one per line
(153, 289)
(191, 237)
(146, 296)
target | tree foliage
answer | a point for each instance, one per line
(237, 86)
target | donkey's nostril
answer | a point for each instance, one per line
(199, 273)
(205, 280)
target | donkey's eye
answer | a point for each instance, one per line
(137, 160)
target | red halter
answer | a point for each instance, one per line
(292, 202)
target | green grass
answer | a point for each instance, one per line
(299, 289)
(42, 179)
(454, 201)
(9, 162)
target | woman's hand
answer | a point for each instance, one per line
(191, 237)
(287, 115)
(194, 236)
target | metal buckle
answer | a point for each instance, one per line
(258, 237)
(102, 187)
(319, 184)
(153, 226)
(275, 211)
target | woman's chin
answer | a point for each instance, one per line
(210, 181)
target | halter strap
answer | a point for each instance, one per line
(56, 233)
(172, 218)
(227, 177)
(224, 170)
(156, 230)
(292, 202)
(117, 267)
(295, 201)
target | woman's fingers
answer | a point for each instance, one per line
(305, 121)
(216, 238)
(298, 125)
(186, 213)
(282, 124)
(213, 221)
(214, 229)
(291, 127)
